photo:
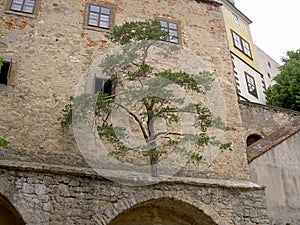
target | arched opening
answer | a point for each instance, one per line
(252, 139)
(164, 211)
(8, 214)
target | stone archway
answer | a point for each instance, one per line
(163, 211)
(8, 214)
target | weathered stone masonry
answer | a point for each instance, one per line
(43, 173)
(56, 195)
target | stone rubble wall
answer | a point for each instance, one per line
(43, 197)
(53, 50)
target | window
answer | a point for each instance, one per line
(235, 19)
(24, 6)
(104, 86)
(5, 72)
(173, 30)
(252, 139)
(251, 85)
(241, 44)
(99, 16)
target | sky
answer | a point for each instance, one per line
(275, 25)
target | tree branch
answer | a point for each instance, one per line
(136, 119)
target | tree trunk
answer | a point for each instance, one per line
(153, 163)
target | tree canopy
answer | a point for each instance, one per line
(151, 98)
(286, 92)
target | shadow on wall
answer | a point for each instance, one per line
(164, 211)
(8, 214)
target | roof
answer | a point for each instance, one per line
(266, 144)
(236, 11)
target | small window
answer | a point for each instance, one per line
(241, 44)
(235, 19)
(269, 64)
(99, 16)
(103, 86)
(5, 72)
(251, 85)
(24, 6)
(173, 30)
(252, 139)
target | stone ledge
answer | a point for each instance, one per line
(269, 107)
(88, 172)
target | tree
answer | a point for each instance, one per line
(286, 92)
(146, 96)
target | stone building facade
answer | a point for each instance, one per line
(44, 177)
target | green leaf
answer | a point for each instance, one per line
(3, 143)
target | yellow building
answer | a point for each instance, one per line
(238, 33)
(249, 80)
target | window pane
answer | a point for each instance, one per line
(173, 33)
(18, 2)
(29, 2)
(94, 8)
(173, 26)
(94, 16)
(16, 7)
(104, 18)
(164, 24)
(246, 48)
(93, 22)
(174, 40)
(105, 11)
(28, 9)
(104, 24)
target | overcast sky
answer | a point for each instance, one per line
(276, 24)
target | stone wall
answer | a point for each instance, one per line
(275, 165)
(57, 195)
(53, 50)
(263, 119)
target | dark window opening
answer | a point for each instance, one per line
(252, 139)
(104, 86)
(5, 71)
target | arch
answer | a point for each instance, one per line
(163, 211)
(8, 213)
(252, 139)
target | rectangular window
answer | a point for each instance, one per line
(103, 86)
(24, 6)
(99, 16)
(5, 72)
(173, 31)
(251, 84)
(241, 44)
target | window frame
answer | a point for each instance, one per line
(98, 28)
(241, 44)
(251, 84)
(21, 13)
(178, 30)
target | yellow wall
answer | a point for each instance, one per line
(241, 28)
